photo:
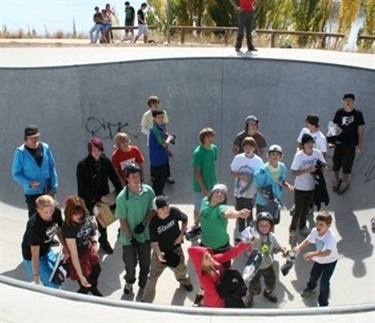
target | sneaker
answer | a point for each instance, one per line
(343, 188)
(128, 289)
(189, 287)
(304, 230)
(106, 247)
(139, 297)
(252, 49)
(306, 292)
(170, 180)
(336, 184)
(237, 49)
(198, 300)
(96, 292)
(270, 296)
(293, 237)
(248, 300)
(82, 291)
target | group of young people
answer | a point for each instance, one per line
(151, 231)
(102, 30)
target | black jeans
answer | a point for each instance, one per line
(131, 255)
(244, 203)
(245, 22)
(302, 201)
(30, 202)
(159, 176)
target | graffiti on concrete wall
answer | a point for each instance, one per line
(106, 130)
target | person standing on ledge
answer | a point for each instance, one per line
(245, 10)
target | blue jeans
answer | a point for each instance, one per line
(46, 264)
(95, 30)
(245, 22)
(324, 272)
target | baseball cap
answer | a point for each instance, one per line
(160, 202)
(252, 118)
(275, 149)
(348, 96)
(220, 187)
(32, 131)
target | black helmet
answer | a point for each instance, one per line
(265, 216)
(131, 168)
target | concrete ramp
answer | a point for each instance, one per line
(70, 103)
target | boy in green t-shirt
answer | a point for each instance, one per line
(204, 178)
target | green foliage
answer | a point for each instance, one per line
(369, 24)
(223, 13)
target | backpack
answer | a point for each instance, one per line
(231, 288)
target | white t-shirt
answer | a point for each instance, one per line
(302, 161)
(326, 242)
(147, 122)
(319, 139)
(245, 166)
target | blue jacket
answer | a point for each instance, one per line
(25, 170)
(263, 178)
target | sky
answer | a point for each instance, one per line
(55, 14)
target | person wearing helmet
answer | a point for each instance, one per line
(134, 209)
(266, 243)
(251, 130)
(269, 181)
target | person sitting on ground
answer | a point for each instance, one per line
(266, 244)
(312, 128)
(166, 239)
(325, 257)
(125, 154)
(210, 267)
(243, 168)
(38, 256)
(251, 130)
(79, 230)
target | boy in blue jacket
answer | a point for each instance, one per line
(34, 168)
(269, 180)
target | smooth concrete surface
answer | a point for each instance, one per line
(198, 88)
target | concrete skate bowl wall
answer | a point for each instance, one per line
(71, 103)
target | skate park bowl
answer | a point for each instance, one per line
(73, 93)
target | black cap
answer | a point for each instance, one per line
(313, 120)
(172, 259)
(160, 202)
(32, 131)
(131, 168)
(349, 96)
(306, 138)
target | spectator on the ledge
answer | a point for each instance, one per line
(129, 20)
(142, 24)
(97, 28)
